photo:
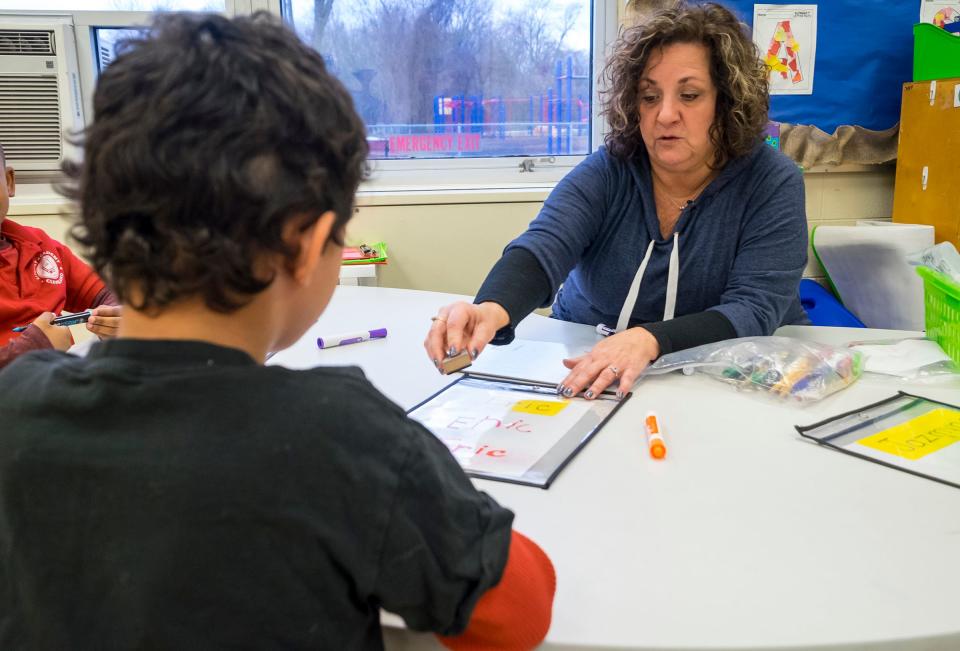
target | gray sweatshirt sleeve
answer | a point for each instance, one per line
(570, 219)
(771, 256)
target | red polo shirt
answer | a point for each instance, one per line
(39, 274)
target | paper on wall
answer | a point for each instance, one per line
(787, 38)
(939, 12)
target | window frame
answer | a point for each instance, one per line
(86, 22)
(87, 59)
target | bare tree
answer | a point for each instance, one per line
(321, 15)
(398, 55)
(536, 42)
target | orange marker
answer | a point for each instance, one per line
(658, 450)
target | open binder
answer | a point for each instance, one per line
(907, 432)
(516, 431)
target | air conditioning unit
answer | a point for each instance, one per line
(41, 107)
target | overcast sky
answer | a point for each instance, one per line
(579, 38)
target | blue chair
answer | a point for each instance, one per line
(823, 308)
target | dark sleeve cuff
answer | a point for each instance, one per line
(690, 330)
(519, 285)
(104, 297)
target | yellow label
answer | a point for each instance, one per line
(919, 436)
(540, 407)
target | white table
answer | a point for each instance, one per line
(746, 537)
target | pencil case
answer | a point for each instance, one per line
(782, 367)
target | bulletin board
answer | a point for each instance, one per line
(864, 55)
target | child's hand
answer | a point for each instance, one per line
(59, 336)
(105, 320)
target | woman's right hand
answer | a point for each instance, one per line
(463, 326)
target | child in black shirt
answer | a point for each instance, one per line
(224, 504)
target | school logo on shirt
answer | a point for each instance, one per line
(48, 269)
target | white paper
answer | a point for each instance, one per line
(787, 38)
(902, 359)
(939, 12)
(486, 433)
(526, 359)
(868, 266)
(81, 348)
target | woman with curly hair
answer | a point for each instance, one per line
(684, 229)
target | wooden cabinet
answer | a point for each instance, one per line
(927, 187)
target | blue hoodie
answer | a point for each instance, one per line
(742, 243)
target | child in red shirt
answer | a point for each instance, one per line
(40, 277)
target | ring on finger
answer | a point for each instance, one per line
(614, 370)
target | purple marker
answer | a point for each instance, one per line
(351, 338)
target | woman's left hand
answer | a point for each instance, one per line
(618, 359)
(105, 320)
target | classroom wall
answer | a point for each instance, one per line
(450, 248)
(840, 198)
(448, 242)
(446, 247)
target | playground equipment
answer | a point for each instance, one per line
(558, 115)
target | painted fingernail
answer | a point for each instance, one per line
(559, 389)
(475, 353)
(568, 392)
(452, 352)
(588, 394)
(619, 395)
(436, 363)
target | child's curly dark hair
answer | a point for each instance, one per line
(209, 135)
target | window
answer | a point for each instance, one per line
(106, 40)
(466, 79)
(115, 5)
(61, 46)
(455, 93)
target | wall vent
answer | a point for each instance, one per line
(34, 42)
(30, 127)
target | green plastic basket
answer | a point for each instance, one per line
(936, 53)
(941, 301)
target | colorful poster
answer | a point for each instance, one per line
(787, 38)
(940, 12)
